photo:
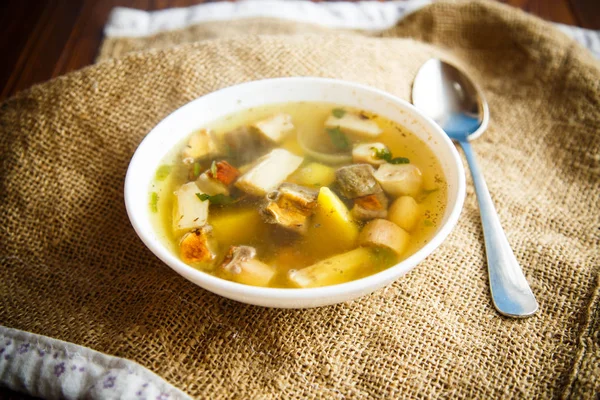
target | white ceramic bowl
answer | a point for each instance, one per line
(205, 109)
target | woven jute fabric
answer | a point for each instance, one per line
(74, 269)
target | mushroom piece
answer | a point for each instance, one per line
(370, 207)
(355, 123)
(211, 186)
(400, 180)
(275, 128)
(217, 179)
(189, 212)
(365, 153)
(198, 246)
(245, 144)
(383, 233)
(240, 265)
(357, 180)
(202, 144)
(269, 172)
(290, 206)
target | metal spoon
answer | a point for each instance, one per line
(448, 96)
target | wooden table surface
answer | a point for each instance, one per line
(42, 39)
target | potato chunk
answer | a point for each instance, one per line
(202, 144)
(404, 212)
(365, 153)
(332, 228)
(269, 172)
(314, 175)
(383, 233)
(276, 127)
(189, 212)
(399, 180)
(237, 226)
(240, 265)
(355, 124)
(198, 246)
(357, 180)
(337, 269)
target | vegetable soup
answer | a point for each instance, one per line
(298, 195)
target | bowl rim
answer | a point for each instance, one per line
(356, 286)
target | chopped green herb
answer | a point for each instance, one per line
(426, 193)
(213, 169)
(219, 199)
(229, 151)
(427, 222)
(162, 172)
(154, 202)
(384, 257)
(385, 154)
(338, 112)
(338, 138)
(196, 169)
(399, 160)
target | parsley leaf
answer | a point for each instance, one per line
(427, 222)
(196, 169)
(162, 172)
(338, 112)
(219, 199)
(338, 138)
(154, 202)
(385, 154)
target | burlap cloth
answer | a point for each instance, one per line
(73, 268)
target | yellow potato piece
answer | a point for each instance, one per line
(337, 269)
(237, 226)
(313, 175)
(404, 212)
(332, 229)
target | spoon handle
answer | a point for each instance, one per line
(510, 292)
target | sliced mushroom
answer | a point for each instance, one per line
(245, 144)
(366, 153)
(399, 180)
(357, 180)
(269, 172)
(240, 265)
(211, 186)
(198, 246)
(370, 207)
(356, 124)
(189, 212)
(275, 128)
(383, 233)
(223, 172)
(202, 144)
(290, 206)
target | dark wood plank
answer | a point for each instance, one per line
(587, 13)
(42, 39)
(551, 10)
(18, 22)
(43, 49)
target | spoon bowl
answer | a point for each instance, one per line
(451, 99)
(454, 102)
